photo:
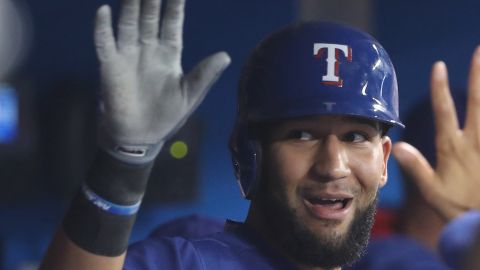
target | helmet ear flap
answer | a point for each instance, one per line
(246, 157)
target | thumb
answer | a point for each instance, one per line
(204, 75)
(414, 165)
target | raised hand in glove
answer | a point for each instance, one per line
(146, 95)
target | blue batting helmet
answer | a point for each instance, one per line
(316, 68)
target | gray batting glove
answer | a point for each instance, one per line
(146, 96)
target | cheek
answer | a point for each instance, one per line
(368, 168)
(285, 167)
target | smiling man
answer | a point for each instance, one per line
(319, 192)
(309, 146)
(310, 149)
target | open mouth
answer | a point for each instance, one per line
(328, 208)
(333, 203)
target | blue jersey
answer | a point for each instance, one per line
(398, 252)
(238, 247)
(235, 248)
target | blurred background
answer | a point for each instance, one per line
(49, 95)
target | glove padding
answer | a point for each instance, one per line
(146, 96)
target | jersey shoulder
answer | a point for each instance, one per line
(235, 248)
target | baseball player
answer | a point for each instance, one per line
(309, 146)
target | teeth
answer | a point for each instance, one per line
(321, 200)
(330, 200)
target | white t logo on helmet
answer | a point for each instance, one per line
(333, 64)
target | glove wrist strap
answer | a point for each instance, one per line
(140, 153)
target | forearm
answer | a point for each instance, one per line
(146, 98)
(64, 254)
(94, 236)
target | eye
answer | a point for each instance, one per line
(355, 137)
(301, 135)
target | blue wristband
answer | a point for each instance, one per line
(109, 207)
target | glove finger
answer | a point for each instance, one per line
(128, 23)
(103, 34)
(149, 21)
(201, 78)
(172, 23)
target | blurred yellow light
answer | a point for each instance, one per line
(178, 149)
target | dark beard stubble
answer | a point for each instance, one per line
(307, 248)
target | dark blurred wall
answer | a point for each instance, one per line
(60, 77)
(418, 33)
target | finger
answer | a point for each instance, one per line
(128, 23)
(103, 34)
(172, 23)
(149, 21)
(419, 171)
(443, 108)
(203, 76)
(472, 121)
(415, 166)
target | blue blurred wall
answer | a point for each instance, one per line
(415, 33)
(63, 48)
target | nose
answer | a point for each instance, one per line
(331, 161)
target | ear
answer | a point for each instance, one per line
(387, 149)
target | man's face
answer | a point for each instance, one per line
(319, 187)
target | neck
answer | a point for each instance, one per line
(255, 220)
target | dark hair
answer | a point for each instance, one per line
(420, 128)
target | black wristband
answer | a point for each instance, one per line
(89, 225)
(116, 181)
(96, 230)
